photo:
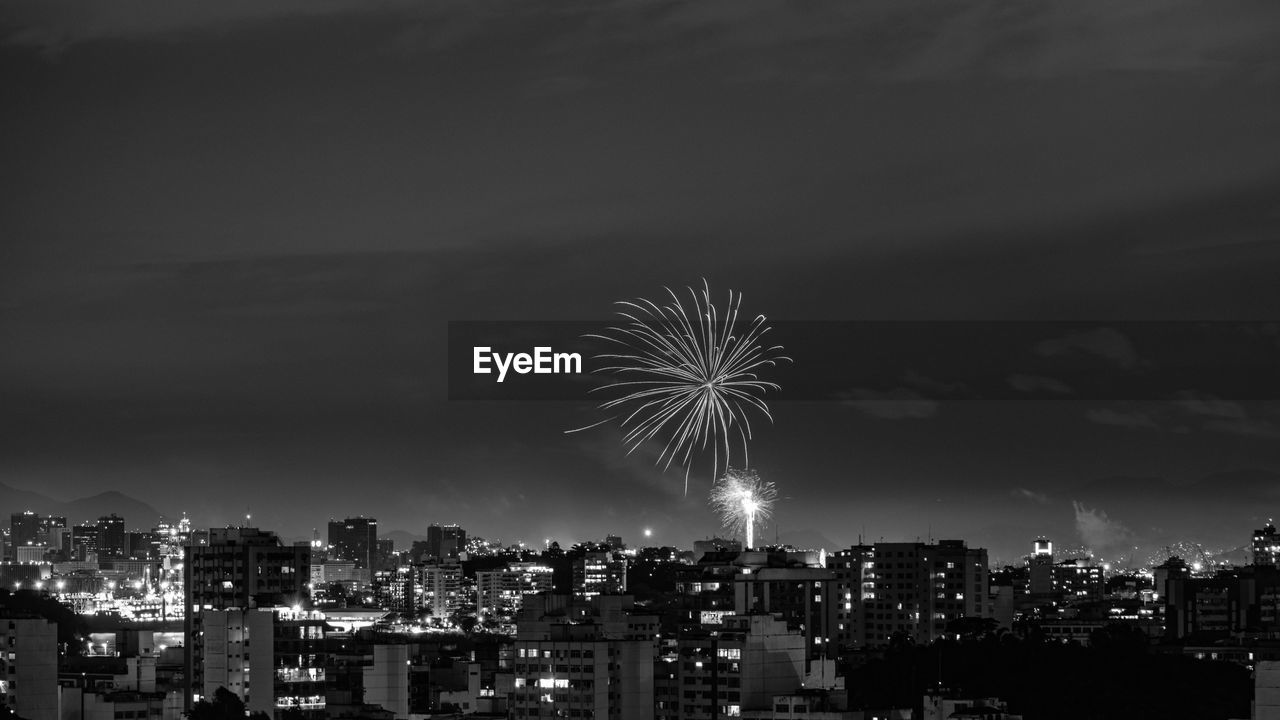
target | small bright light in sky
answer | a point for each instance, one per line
(648, 532)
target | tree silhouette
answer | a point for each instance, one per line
(225, 705)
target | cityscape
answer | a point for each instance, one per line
(106, 620)
(639, 360)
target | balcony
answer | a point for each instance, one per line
(299, 675)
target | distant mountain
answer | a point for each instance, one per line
(403, 540)
(136, 513)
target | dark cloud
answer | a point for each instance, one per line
(1198, 403)
(1126, 419)
(1106, 343)
(1037, 384)
(1193, 410)
(896, 404)
(235, 232)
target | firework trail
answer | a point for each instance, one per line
(688, 376)
(742, 499)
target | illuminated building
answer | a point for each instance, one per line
(737, 669)
(1266, 546)
(29, 667)
(31, 530)
(441, 588)
(1042, 547)
(799, 595)
(852, 569)
(111, 536)
(119, 683)
(1078, 580)
(599, 572)
(445, 542)
(354, 539)
(271, 658)
(173, 536)
(84, 543)
(1231, 601)
(583, 660)
(397, 589)
(24, 529)
(243, 568)
(51, 529)
(1040, 573)
(915, 589)
(29, 554)
(343, 572)
(500, 593)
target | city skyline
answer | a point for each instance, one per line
(639, 359)
(171, 322)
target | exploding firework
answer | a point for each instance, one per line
(688, 376)
(742, 499)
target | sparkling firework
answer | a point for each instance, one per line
(742, 499)
(688, 376)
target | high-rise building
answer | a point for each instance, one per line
(1266, 546)
(111, 536)
(1079, 579)
(354, 539)
(271, 658)
(239, 568)
(798, 595)
(441, 590)
(29, 667)
(1070, 579)
(599, 572)
(24, 528)
(1172, 569)
(446, 542)
(397, 589)
(1230, 602)
(583, 660)
(51, 529)
(143, 545)
(738, 668)
(913, 589)
(1040, 574)
(384, 554)
(853, 583)
(500, 593)
(84, 542)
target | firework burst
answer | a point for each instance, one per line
(688, 376)
(742, 500)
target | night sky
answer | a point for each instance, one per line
(232, 235)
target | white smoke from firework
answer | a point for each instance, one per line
(742, 500)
